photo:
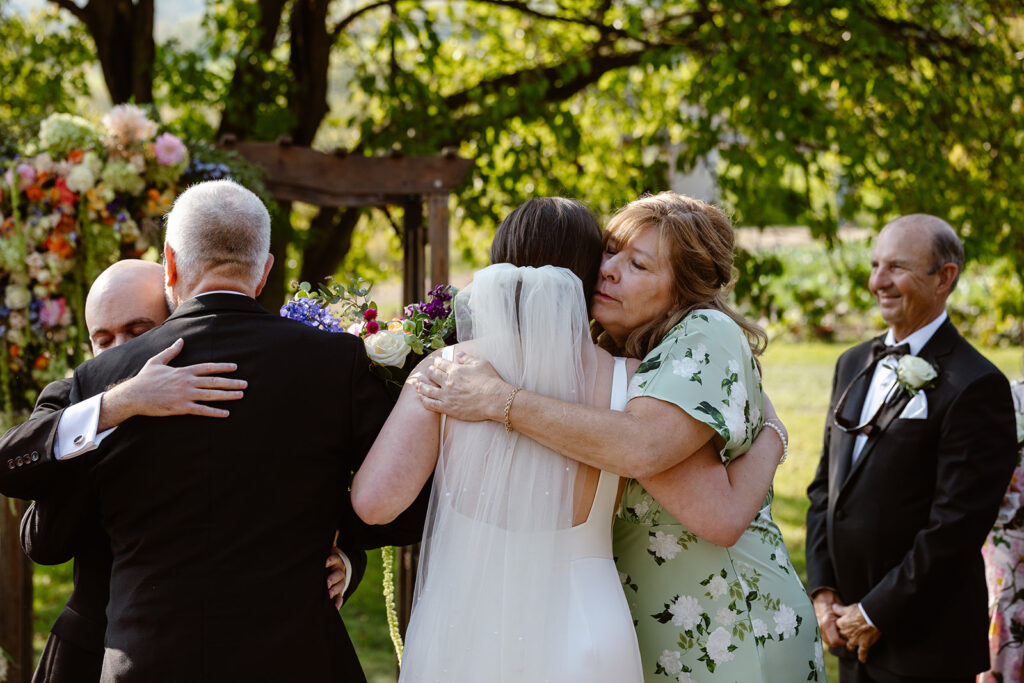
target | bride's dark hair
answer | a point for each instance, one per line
(552, 231)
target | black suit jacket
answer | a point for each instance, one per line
(27, 467)
(901, 530)
(219, 527)
(75, 644)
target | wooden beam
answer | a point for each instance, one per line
(437, 237)
(306, 175)
(413, 235)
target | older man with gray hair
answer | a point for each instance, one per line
(919, 447)
(219, 532)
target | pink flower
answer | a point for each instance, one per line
(27, 173)
(372, 327)
(128, 124)
(370, 314)
(168, 149)
(51, 312)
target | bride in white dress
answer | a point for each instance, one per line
(516, 578)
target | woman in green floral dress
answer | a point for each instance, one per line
(712, 590)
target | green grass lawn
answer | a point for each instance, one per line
(797, 377)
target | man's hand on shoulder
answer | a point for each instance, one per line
(159, 390)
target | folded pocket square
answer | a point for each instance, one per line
(917, 409)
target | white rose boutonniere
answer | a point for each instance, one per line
(1020, 427)
(915, 374)
(387, 348)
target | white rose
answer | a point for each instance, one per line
(17, 296)
(915, 372)
(80, 179)
(1020, 427)
(785, 621)
(670, 661)
(717, 587)
(685, 612)
(685, 367)
(726, 617)
(718, 646)
(685, 678)
(819, 657)
(387, 348)
(665, 546)
(760, 628)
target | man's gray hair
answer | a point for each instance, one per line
(221, 225)
(946, 246)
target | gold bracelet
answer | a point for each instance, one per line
(782, 437)
(508, 407)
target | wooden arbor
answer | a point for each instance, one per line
(331, 180)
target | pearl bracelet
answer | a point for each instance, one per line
(779, 431)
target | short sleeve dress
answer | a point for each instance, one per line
(704, 612)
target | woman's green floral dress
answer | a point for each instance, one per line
(704, 612)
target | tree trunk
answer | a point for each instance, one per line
(309, 60)
(330, 236)
(15, 594)
(123, 33)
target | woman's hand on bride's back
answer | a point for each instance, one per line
(467, 389)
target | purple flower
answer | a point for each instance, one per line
(309, 312)
(372, 327)
(370, 314)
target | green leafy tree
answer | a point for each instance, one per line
(818, 111)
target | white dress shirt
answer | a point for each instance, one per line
(882, 383)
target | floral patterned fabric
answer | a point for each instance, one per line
(1004, 572)
(704, 612)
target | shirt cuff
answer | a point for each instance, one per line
(76, 429)
(866, 617)
(348, 574)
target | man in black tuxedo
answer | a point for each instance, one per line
(908, 485)
(219, 530)
(125, 301)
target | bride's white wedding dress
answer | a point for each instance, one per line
(508, 590)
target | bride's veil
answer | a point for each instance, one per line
(492, 594)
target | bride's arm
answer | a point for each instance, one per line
(649, 437)
(716, 502)
(401, 459)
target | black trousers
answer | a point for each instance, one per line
(852, 671)
(65, 662)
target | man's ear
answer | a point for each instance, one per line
(170, 266)
(266, 273)
(947, 273)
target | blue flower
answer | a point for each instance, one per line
(309, 312)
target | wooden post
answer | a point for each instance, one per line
(414, 274)
(15, 593)
(437, 236)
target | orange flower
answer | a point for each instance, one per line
(75, 155)
(41, 363)
(34, 193)
(15, 350)
(57, 244)
(395, 325)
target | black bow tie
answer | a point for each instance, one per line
(879, 350)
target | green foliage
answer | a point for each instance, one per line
(812, 291)
(44, 61)
(817, 112)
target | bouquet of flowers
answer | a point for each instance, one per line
(394, 346)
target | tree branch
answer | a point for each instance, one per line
(79, 12)
(343, 24)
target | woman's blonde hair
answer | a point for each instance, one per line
(697, 241)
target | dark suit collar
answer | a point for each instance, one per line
(212, 303)
(940, 345)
